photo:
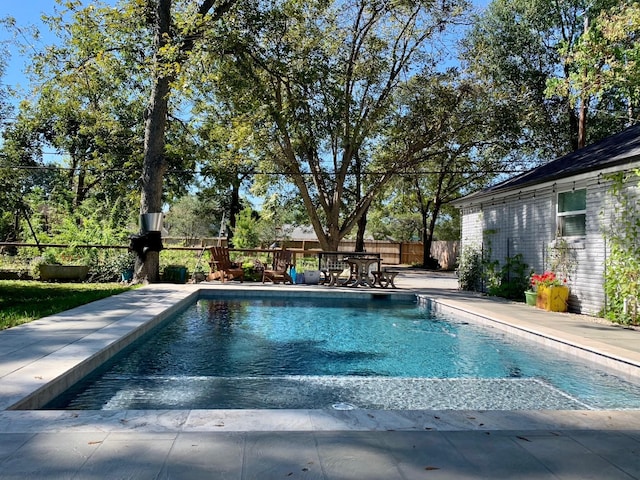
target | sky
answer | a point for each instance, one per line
(28, 12)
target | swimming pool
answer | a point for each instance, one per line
(340, 353)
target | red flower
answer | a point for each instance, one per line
(547, 279)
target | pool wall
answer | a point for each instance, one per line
(587, 349)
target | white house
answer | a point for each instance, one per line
(565, 202)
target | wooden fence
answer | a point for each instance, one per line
(391, 253)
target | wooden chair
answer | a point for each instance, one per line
(280, 268)
(222, 268)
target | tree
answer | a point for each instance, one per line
(453, 140)
(88, 98)
(175, 37)
(190, 218)
(108, 60)
(6, 180)
(319, 79)
(230, 160)
(85, 100)
(246, 231)
(516, 46)
(21, 173)
(5, 107)
(605, 61)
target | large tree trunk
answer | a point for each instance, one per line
(154, 166)
(362, 226)
(427, 235)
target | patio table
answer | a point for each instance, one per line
(361, 268)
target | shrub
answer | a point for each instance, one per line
(470, 270)
(511, 280)
(112, 266)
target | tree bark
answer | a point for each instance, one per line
(427, 234)
(362, 226)
(154, 165)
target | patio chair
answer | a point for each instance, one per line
(222, 268)
(279, 271)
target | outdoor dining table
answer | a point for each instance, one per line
(361, 266)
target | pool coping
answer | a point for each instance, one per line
(66, 346)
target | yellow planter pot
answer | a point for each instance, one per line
(553, 299)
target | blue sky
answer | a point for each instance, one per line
(28, 12)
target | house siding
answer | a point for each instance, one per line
(471, 225)
(525, 223)
(587, 283)
(519, 224)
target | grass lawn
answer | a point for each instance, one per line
(22, 301)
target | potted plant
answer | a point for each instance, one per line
(552, 294)
(530, 296)
(125, 263)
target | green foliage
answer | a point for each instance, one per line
(622, 267)
(5, 55)
(317, 80)
(49, 256)
(191, 259)
(470, 275)
(112, 266)
(491, 275)
(6, 226)
(518, 47)
(94, 222)
(613, 79)
(510, 280)
(80, 229)
(251, 274)
(88, 101)
(246, 233)
(563, 260)
(448, 225)
(190, 217)
(477, 273)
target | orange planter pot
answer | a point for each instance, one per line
(553, 299)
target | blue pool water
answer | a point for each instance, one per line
(323, 353)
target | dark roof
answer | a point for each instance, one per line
(622, 148)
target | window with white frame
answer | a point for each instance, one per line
(572, 213)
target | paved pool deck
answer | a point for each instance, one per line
(42, 357)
